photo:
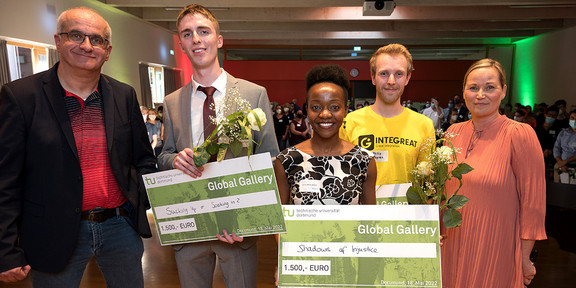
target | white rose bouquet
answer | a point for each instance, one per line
(232, 128)
(429, 179)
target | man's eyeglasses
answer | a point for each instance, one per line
(79, 37)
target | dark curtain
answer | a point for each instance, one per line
(53, 57)
(172, 80)
(146, 97)
(4, 67)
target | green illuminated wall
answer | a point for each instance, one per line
(545, 68)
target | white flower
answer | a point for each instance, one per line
(252, 119)
(430, 189)
(445, 154)
(424, 168)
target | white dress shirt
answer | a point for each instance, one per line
(197, 106)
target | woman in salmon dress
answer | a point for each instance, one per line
(507, 191)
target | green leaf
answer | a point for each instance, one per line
(457, 201)
(213, 148)
(236, 147)
(413, 197)
(452, 218)
(200, 157)
(461, 169)
(222, 151)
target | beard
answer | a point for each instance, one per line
(389, 98)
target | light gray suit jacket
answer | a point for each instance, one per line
(177, 120)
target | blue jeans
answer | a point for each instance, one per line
(115, 246)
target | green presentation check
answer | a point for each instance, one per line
(360, 246)
(239, 195)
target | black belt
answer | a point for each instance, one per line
(101, 215)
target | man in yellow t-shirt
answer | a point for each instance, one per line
(393, 133)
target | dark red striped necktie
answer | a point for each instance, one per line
(209, 114)
(209, 102)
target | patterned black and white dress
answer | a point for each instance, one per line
(325, 180)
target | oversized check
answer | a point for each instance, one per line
(360, 246)
(239, 195)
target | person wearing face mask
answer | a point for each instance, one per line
(547, 130)
(426, 105)
(563, 115)
(154, 127)
(446, 111)
(452, 118)
(434, 112)
(519, 115)
(281, 126)
(160, 111)
(288, 111)
(409, 105)
(462, 110)
(298, 129)
(565, 148)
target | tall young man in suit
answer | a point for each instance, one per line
(200, 39)
(74, 147)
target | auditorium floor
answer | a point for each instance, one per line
(555, 267)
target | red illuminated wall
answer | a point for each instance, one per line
(182, 61)
(284, 80)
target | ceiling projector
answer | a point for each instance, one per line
(378, 7)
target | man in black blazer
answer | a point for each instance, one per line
(74, 147)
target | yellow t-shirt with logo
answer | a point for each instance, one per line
(395, 141)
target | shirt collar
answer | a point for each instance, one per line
(219, 83)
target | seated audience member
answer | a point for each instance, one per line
(508, 111)
(325, 160)
(547, 132)
(409, 105)
(562, 113)
(565, 147)
(426, 105)
(446, 111)
(529, 118)
(539, 113)
(452, 118)
(519, 115)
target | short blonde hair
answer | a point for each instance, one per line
(392, 49)
(486, 63)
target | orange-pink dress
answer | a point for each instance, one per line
(507, 192)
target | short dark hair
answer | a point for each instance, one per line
(330, 73)
(553, 109)
(560, 102)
